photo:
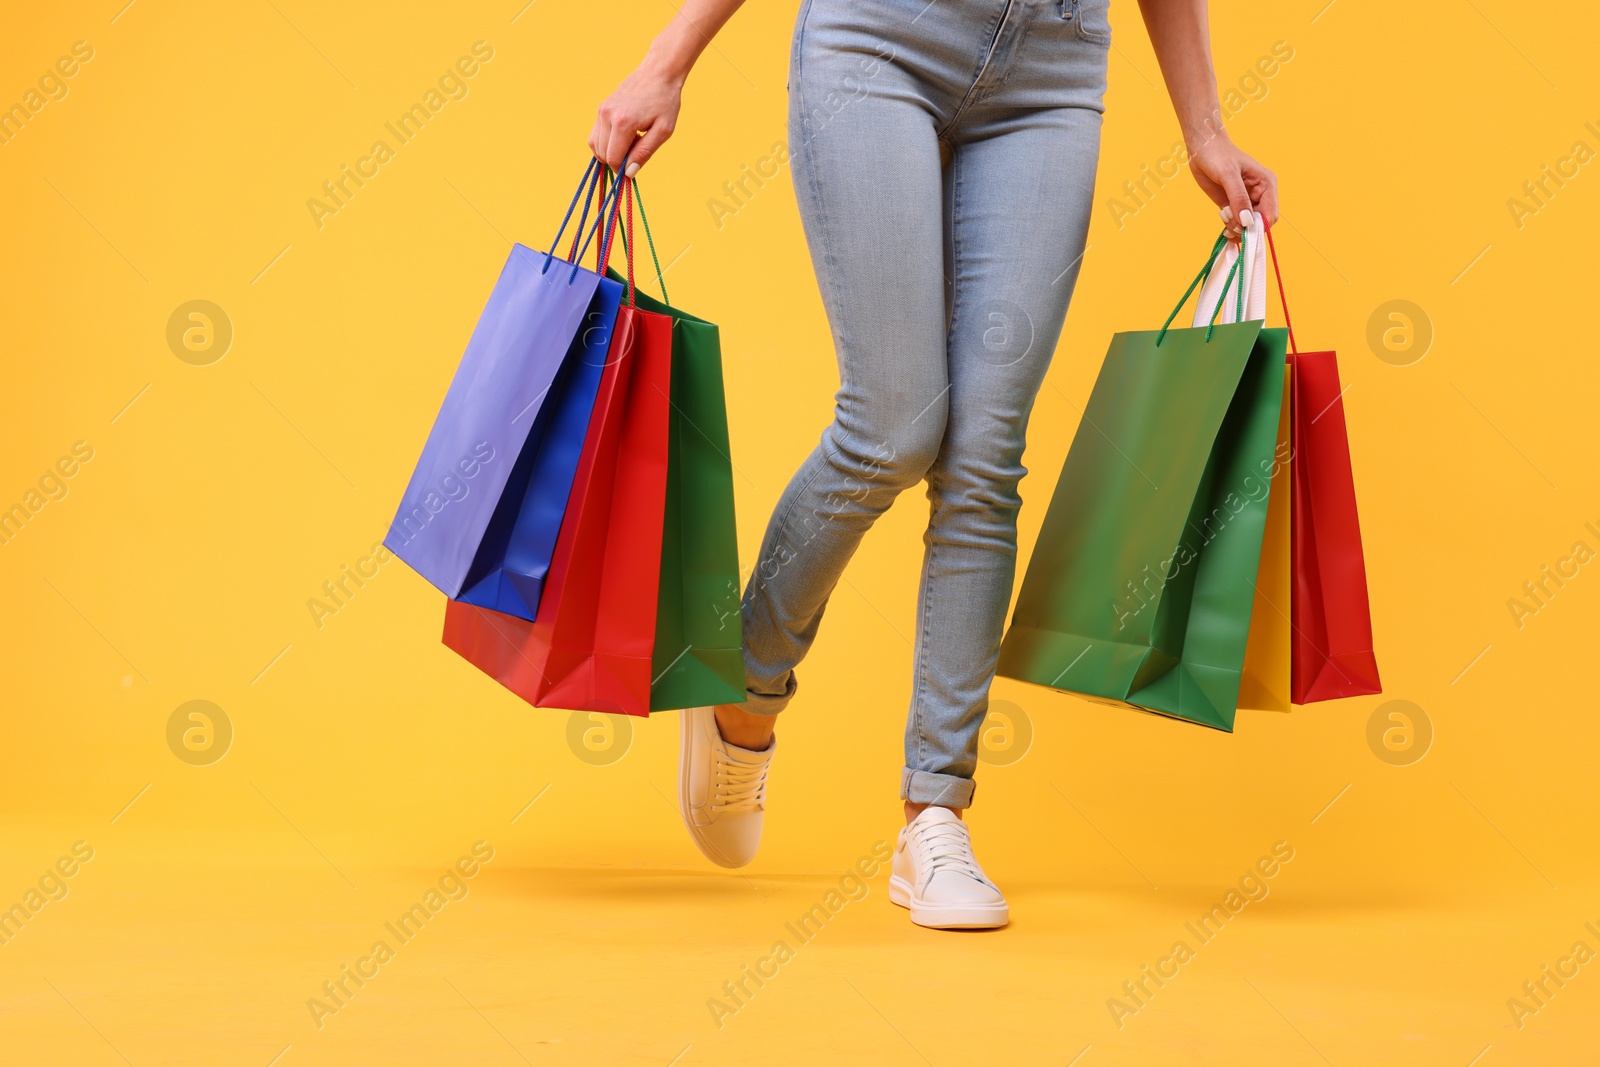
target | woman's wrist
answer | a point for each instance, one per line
(1203, 132)
(673, 53)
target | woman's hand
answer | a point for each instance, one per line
(1181, 36)
(639, 116)
(1235, 182)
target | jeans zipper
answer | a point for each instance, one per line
(999, 28)
(977, 82)
(1069, 9)
(994, 40)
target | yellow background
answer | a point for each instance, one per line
(367, 757)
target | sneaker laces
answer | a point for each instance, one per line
(945, 846)
(740, 786)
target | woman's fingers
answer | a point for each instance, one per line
(1232, 182)
(1263, 185)
(653, 138)
(1218, 171)
(620, 135)
(1241, 185)
(636, 120)
(614, 129)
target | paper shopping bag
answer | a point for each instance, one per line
(590, 645)
(513, 559)
(517, 400)
(1264, 683)
(1333, 653)
(1142, 584)
(699, 657)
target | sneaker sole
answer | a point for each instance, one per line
(947, 916)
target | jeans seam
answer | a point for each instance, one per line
(931, 562)
(829, 275)
(780, 524)
(1082, 31)
(781, 519)
(955, 256)
(927, 594)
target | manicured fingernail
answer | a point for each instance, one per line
(1227, 214)
(633, 168)
(1244, 218)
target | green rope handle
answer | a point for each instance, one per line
(1238, 308)
(649, 239)
(1235, 271)
(1232, 271)
(1216, 250)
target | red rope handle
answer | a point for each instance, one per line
(1283, 297)
(611, 232)
(628, 191)
(600, 219)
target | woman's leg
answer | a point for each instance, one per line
(1019, 203)
(866, 167)
(870, 84)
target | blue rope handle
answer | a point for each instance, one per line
(589, 175)
(614, 201)
(583, 218)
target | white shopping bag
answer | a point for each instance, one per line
(1252, 277)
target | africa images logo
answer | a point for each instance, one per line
(431, 500)
(1211, 527)
(451, 887)
(339, 191)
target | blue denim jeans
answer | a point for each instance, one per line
(944, 159)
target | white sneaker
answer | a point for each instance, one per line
(938, 878)
(722, 789)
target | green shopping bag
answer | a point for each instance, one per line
(1140, 589)
(699, 657)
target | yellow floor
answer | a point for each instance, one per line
(208, 949)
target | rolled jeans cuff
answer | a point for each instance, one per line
(945, 790)
(759, 703)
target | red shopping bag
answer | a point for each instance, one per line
(1332, 653)
(590, 644)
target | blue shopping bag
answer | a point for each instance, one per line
(509, 572)
(480, 516)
